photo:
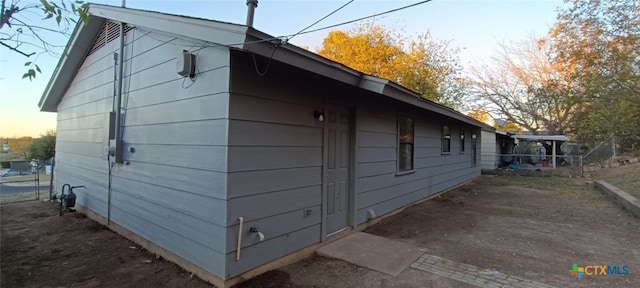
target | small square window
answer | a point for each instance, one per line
(405, 143)
(446, 139)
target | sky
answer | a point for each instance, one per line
(477, 27)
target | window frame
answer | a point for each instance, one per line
(445, 137)
(410, 141)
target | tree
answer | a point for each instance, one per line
(20, 34)
(599, 39)
(44, 147)
(528, 89)
(424, 65)
(483, 116)
(582, 79)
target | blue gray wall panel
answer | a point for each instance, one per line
(172, 190)
(379, 186)
(274, 168)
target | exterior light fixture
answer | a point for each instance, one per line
(318, 115)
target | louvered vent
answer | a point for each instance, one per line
(110, 31)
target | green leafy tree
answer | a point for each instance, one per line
(44, 147)
(21, 32)
(425, 65)
(599, 40)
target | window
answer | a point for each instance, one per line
(462, 140)
(446, 139)
(405, 143)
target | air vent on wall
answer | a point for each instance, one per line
(110, 31)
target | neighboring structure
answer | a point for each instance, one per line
(259, 138)
(496, 145)
(500, 149)
(548, 144)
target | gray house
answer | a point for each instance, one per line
(229, 152)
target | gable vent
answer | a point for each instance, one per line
(109, 32)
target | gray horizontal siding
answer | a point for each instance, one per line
(208, 107)
(201, 157)
(368, 169)
(273, 226)
(172, 190)
(80, 123)
(268, 110)
(245, 83)
(95, 135)
(275, 248)
(402, 200)
(181, 245)
(257, 182)
(205, 132)
(252, 158)
(81, 148)
(255, 207)
(206, 208)
(274, 167)
(196, 229)
(76, 170)
(180, 178)
(378, 186)
(250, 133)
(99, 102)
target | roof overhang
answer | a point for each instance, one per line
(233, 36)
(71, 59)
(83, 36)
(315, 63)
(541, 137)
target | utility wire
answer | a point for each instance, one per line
(325, 17)
(362, 18)
(288, 37)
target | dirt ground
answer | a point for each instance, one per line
(532, 227)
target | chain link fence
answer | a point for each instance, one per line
(573, 160)
(20, 184)
(617, 150)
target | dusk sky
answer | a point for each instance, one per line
(477, 27)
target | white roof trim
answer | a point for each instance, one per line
(542, 137)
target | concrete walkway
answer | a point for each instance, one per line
(373, 252)
(392, 257)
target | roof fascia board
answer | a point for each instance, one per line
(259, 44)
(542, 137)
(201, 29)
(72, 57)
(403, 94)
(315, 63)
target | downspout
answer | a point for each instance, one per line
(118, 121)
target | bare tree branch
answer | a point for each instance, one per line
(16, 50)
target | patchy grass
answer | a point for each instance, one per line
(624, 177)
(630, 185)
(572, 187)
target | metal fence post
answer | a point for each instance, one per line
(581, 166)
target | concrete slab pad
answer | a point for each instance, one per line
(373, 252)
